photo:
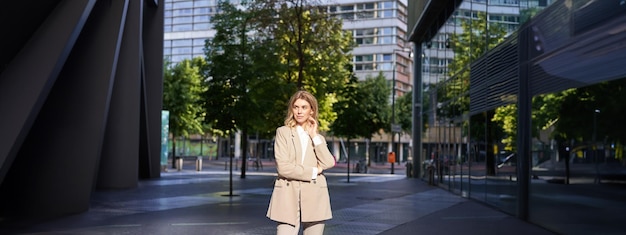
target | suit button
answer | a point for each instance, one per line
(287, 183)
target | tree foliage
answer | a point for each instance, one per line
(577, 110)
(239, 79)
(312, 47)
(571, 112)
(263, 52)
(182, 90)
(363, 109)
(404, 111)
(348, 116)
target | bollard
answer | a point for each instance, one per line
(409, 169)
(179, 163)
(431, 175)
(199, 164)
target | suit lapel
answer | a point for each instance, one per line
(295, 138)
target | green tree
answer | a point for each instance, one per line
(576, 113)
(240, 75)
(363, 108)
(404, 111)
(356, 112)
(264, 51)
(313, 48)
(374, 93)
(182, 90)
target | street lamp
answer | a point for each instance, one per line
(593, 145)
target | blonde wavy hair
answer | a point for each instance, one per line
(306, 96)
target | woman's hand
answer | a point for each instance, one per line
(312, 130)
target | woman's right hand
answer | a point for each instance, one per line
(312, 130)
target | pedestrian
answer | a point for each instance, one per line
(300, 193)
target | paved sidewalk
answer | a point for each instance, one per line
(212, 202)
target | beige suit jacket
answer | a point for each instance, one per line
(294, 189)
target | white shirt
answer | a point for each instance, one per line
(304, 141)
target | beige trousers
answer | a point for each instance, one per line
(309, 228)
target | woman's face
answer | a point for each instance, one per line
(301, 111)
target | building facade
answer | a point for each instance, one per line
(528, 140)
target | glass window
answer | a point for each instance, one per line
(347, 8)
(178, 58)
(183, 12)
(386, 31)
(201, 3)
(384, 66)
(386, 40)
(365, 6)
(201, 10)
(182, 27)
(385, 5)
(365, 15)
(365, 32)
(367, 40)
(347, 16)
(179, 5)
(180, 20)
(198, 51)
(361, 58)
(387, 57)
(368, 66)
(386, 13)
(199, 42)
(181, 50)
(181, 42)
(201, 26)
(201, 18)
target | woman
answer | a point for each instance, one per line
(300, 192)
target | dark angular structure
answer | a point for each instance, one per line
(80, 101)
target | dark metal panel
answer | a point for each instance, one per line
(59, 158)
(578, 43)
(26, 81)
(524, 123)
(152, 90)
(493, 77)
(433, 15)
(118, 166)
(20, 20)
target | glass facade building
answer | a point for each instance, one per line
(530, 124)
(186, 27)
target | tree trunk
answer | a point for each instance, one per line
(173, 152)
(244, 152)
